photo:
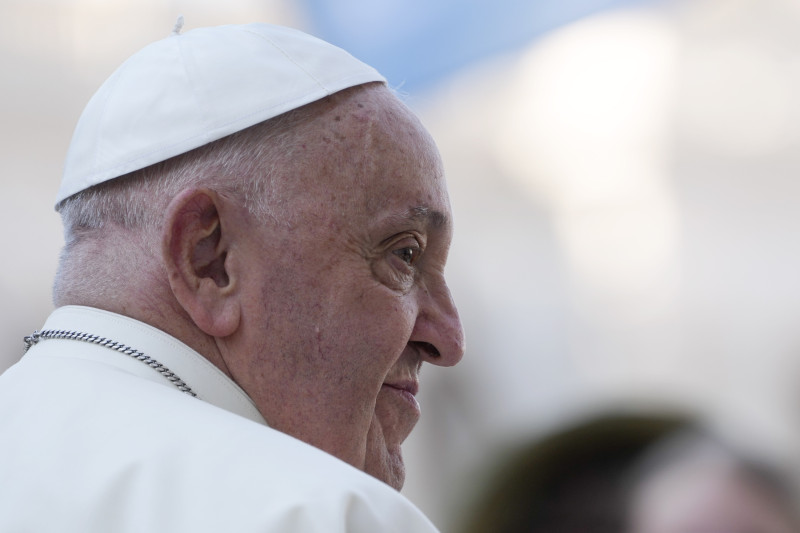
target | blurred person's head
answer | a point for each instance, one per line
(570, 481)
(694, 483)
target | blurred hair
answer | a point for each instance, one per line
(571, 481)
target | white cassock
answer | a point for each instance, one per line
(93, 440)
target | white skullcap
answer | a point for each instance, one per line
(188, 90)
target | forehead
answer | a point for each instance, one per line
(367, 153)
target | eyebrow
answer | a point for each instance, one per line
(436, 218)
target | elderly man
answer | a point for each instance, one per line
(256, 234)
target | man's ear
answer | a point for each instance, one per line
(195, 250)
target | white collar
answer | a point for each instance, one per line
(206, 380)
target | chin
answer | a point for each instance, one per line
(389, 468)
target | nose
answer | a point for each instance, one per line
(438, 330)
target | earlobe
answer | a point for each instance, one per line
(195, 249)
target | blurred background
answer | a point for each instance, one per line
(625, 178)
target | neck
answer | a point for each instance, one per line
(154, 305)
(167, 315)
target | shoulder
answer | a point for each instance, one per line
(115, 453)
(263, 477)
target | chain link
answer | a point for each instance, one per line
(38, 336)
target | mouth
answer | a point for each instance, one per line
(406, 391)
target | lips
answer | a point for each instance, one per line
(410, 386)
(405, 390)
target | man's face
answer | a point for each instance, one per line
(346, 297)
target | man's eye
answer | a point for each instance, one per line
(408, 255)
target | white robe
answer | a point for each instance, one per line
(92, 440)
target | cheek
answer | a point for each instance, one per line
(384, 316)
(370, 331)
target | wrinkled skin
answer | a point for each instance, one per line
(344, 299)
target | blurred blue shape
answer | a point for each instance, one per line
(415, 43)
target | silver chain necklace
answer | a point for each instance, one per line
(37, 336)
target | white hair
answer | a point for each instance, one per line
(243, 165)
